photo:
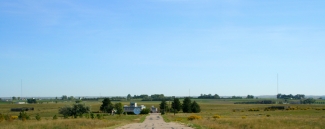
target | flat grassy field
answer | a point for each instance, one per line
(223, 114)
(214, 114)
(48, 110)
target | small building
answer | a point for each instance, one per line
(20, 102)
(153, 109)
(133, 105)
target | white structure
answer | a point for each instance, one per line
(21, 103)
(133, 105)
(153, 109)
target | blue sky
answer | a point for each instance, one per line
(113, 48)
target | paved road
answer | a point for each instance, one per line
(154, 121)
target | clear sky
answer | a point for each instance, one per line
(115, 48)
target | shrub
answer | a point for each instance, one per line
(216, 116)
(253, 109)
(194, 117)
(7, 117)
(1, 117)
(14, 117)
(243, 117)
(162, 112)
(23, 116)
(38, 117)
(87, 115)
(268, 115)
(75, 110)
(92, 116)
(145, 111)
(99, 116)
(55, 117)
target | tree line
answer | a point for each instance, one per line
(187, 106)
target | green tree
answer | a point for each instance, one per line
(75, 110)
(14, 98)
(309, 101)
(176, 105)
(163, 106)
(250, 97)
(32, 100)
(78, 101)
(216, 96)
(64, 97)
(107, 105)
(119, 108)
(71, 98)
(186, 105)
(195, 108)
(129, 97)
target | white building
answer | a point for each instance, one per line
(153, 109)
(20, 102)
(133, 105)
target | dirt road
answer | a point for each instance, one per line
(154, 121)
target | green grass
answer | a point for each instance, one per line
(306, 116)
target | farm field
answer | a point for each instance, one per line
(214, 114)
(218, 114)
(48, 110)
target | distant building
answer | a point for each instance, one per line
(20, 102)
(153, 109)
(133, 105)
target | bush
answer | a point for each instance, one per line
(14, 117)
(99, 116)
(92, 116)
(8, 117)
(145, 111)
(38, 117)
(87, 115)
(55, 117)
(194, 117)
(268, 115)
(23, 116)
(75, 110)
(216, 116)
(162, 112)
(243, 117)
(1, 117)
(253, 109)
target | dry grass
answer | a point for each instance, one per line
(238, 116)
(79, 123)
(58, 124)
(47, 111)
(215, 114)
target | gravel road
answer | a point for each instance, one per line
(154, 121)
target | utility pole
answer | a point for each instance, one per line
(21, 88)
(277, 87)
